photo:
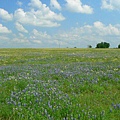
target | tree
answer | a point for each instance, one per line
(119, 46)
(89, 46)
(103, 45)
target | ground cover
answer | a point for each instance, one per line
(59, 84)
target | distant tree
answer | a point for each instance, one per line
(89, 46)
(75, 47)
(119, 46)
(103, 45)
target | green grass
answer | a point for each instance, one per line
(59, 84)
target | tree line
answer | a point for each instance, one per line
(102, 45)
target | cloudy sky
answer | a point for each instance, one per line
(59, 23)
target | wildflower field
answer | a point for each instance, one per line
(60, 84)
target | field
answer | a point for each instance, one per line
(60, 84)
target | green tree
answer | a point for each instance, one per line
(89, 46)
(103, 45)
(119, 46)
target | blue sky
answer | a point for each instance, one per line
(54, 23)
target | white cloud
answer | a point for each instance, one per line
(55, 4)
(99, 29)
(77, 6)
(4, 29)
(39, 35)
(3, 38)
(39, 15)
(89, 34)
(111, 4)
(20, 28)
(103, 30)
(37, 4)
(75, 37)
(21, 35)
(37, 41)
(5, 15)
(19, 3)
(98, 24)
(19, 40)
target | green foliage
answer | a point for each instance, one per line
(89, 46)
(119, 46)
(103, 45)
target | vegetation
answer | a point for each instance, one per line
(119, 46)
(89, 46)
(59, 84)
(103, 45)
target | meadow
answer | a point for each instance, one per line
(60, 84)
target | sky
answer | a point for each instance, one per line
(59, 23)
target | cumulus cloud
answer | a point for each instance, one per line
(20, 28)
(37, 4)
(3, 38)
(55, 4)
(19, 3)
(97, 29)
(38, 15)
(100, 29)
(103, 30)
(79, 36)
(78, 7)
(40, 38)
(89, 34)
(19, 40)
(39, 35)
(21, 35)
(111, 4)
(4, 29)
(5, 15)
(37, 41)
